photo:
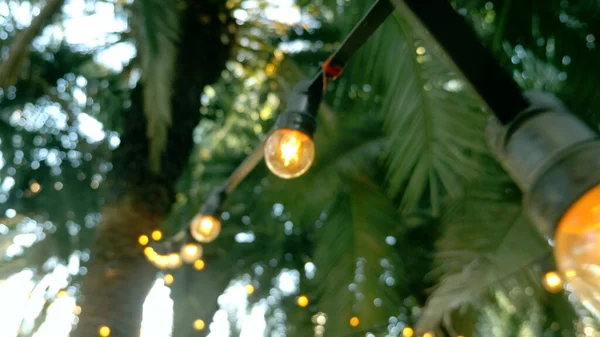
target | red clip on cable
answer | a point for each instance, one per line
(331, 70)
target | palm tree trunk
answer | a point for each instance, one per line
(118, 276)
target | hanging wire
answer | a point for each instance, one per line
(331, 69)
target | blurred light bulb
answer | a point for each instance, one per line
(249, 289)
(160, 261)
(199, 265)
(577, 239)
(289, 153)
(354, 321)
(156, 235)
(104, 331)
(174, 261)
(408, 332)
(143, 240)
(199, 324)
(552, 282)
(150, 253)
(168, 279)
(428, 334)
(205, 228)
(190, 252)
(302, 301)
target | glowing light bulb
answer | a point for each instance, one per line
(199, 265)
(249, 289)
(190, 252)
(174, 261)
(156, 235)
(428, 334)
(150, 253)
(104, 331)
(35, 187)
(289, 153)
(169, 279)
(576, 247)
(205, 228)
(408, 332)
(143, 240)
(552, 282)
(160, 261)
(199, 324)
(354, 321)
(302, 301)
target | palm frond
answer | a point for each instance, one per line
(353, 260)
(486, 242)
(434, 125)
(156, 34)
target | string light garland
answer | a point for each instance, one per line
(561, 182)
(289, 149)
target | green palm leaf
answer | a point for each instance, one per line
(351, 256)
(486, 242)
(156, 33)
(434, 125)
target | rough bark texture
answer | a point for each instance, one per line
(119, 277)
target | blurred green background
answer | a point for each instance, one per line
(118, 117)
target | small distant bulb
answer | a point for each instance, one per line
(143, 240)
(174, 261)
(150, 253)
(160, 261)
(168, 279)
(205, 228)
(302, 301)
(190, 252)
(199, 265)
(408, 332)
(199, 324)
(354, 321)
(249, 289)
(289, 153)
(104, 331)
(552, 282)
(156, 235)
